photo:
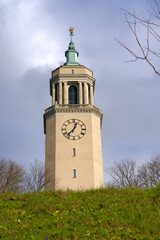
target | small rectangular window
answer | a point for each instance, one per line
(74, 173)
(72, 71)
(74, 152)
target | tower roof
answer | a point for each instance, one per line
(71, 54)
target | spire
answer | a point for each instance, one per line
(71, 54)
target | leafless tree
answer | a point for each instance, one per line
(150, 24)
(149, 173)
(37, 178)
(123, 174)
(12, 176)
(143, 173)
(126, 174)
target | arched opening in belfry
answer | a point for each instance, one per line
(73, 95)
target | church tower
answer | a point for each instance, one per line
(73, 151)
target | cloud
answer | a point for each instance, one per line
(21, 120)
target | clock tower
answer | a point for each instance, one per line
(73, 151)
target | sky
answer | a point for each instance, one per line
(34, 38)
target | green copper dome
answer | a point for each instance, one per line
(71, 54)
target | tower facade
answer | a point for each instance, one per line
(73, 151)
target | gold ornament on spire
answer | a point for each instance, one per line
(71, 29)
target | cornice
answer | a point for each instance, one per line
(74, 77)
(68, 108)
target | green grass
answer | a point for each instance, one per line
(96, 214)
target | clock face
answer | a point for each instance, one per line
(73, 129)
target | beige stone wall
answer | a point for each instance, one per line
(88, 159)
(97, 152)
(50, 153)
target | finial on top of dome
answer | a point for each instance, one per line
(71, 54)
(71, 29)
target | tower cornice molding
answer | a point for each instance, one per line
(72, 76)
(68, 108)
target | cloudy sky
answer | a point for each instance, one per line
(34, 36)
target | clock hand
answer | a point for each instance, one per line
(75, 125)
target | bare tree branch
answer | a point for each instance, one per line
(37, 177)
(126, 174)
(123, 174)
(12, 176)
(152, 26)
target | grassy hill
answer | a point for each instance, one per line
(96, 214)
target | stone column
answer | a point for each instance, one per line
(85, 93)
(53, 94)
(57, 88)
(91, 95)
(80, 93)
(65, 93)
(60, 92)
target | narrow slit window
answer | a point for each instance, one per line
(72, 71)
(74, 152)
(74, 173)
